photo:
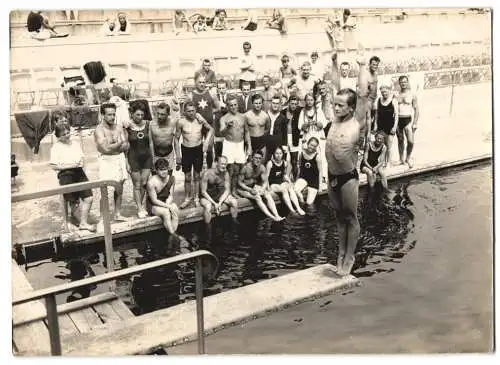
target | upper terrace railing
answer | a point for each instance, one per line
(49, 294)
(160, 20)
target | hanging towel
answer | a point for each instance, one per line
(34, 126)
(94, 71)
(122, 115)
(82, 116)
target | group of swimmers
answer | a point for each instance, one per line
(231, 146)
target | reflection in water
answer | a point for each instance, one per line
(160, 287)
(78, 269)
(386, 221)
(260, 249)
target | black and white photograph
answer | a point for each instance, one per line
(238, 180)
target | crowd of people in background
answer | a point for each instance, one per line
(295, 136)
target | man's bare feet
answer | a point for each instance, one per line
(301, 211)
(87, 227)
(279, 219)
(348, 265)
(142, 213)
(410, 163)
(120, 218)
(185, 203)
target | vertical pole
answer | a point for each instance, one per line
(108, 243)
(199, 305)
(452, 92)
(53, 324)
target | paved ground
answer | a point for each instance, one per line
(465, 133)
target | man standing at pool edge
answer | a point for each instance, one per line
(342, 145)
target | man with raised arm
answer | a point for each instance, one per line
(366, 91)
(342, 146)
(235, 132)
(194, 151)
(161, 138)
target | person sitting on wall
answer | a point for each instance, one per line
(220, 20)
(159, 202)
(200, 24)
(108, 28)
(216, 191)
(123, 26)
(67, 159)
(40, 27)
(277, 22)
(178, 22)
(251, 22)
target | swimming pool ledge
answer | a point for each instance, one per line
(176, 325)
(190, 215)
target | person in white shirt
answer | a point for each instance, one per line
(67, 159)
(248, 63)
(305, 82)
(317, 67)
(108, 28)
(346, 82)
(122, 25)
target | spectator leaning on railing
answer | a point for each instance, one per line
(178, 22)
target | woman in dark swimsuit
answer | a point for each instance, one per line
(159, 200)
(310, 171)
(374, 160)
(278, 172)
(139, 155)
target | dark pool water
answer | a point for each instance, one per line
(259, 249)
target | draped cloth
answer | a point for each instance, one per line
(94, 71)
(82, 116)
(34, 126)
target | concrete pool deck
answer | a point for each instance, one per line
(441, 141)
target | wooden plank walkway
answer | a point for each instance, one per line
(30, 333)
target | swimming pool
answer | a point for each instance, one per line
(391, 228)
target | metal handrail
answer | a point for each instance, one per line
(70, 188)
(50, 293)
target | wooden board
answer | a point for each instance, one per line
(85, 319)
(121, 309)
(34, 336)
(107, 313)
(66, 326)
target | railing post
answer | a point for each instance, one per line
(199, 305)
(53, 324)
(108, 241)
(452, 97)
